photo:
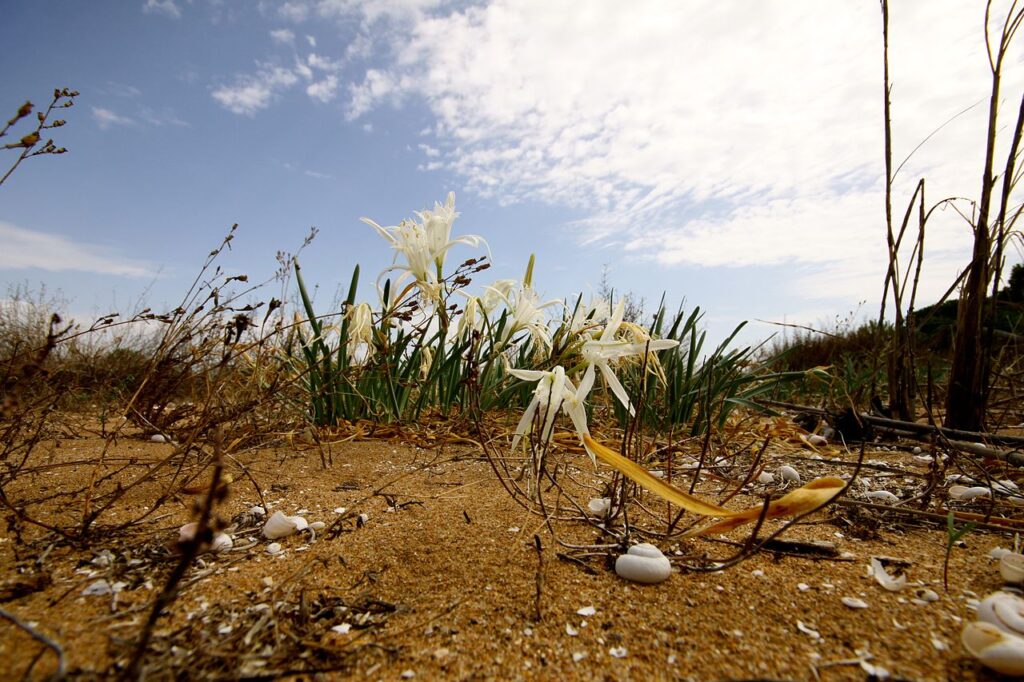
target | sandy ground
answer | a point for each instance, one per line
(440, 581)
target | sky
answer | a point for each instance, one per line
(726, 153)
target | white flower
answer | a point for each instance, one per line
(424, 245)
(606, 349)
(554, 392)
(360, 327)
(597, 312)
(526, 312)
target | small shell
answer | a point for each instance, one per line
(1011, 566)
(586, 611)
(222, 542)
(643, 563)
(766, 477)
(994, 648)
(854, 603)
(882, 496)
(318, 525)
(280, 526)
(1006, 486)
(789, 474)
(998, 552)
(158, 438)
(965, 494)
(274, 548)
(599, 506)
(815, 439)
(884, 579)
(1003, 610)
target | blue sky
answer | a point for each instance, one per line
(725, 152)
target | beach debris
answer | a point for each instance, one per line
(966, 494)
(809, 631)
(586, 611)
(1011, 567)
(274, 548)
(222, 542)
(994, 648)
(599, 506)
(854, 603)
(279, 525)
(617, 652)
(789, 474)
(878, 572)
(766, 477)
(882, 496)
(643, 563)
(1003, 610)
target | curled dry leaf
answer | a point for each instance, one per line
(803, 500)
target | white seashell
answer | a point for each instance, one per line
(643, 563)
(257, 511)
(766, 477)
(884, 579)
(998, 552)
(917, 450)
(994, 648)
(1003, 610)
(1011, 566)
(854, 603)
(318, 525)
(1006, 486)
(340, 510)
(158, 438)
(789, 474)
(882, 496)
(810, 632)
(927, 595)
(274, 548)
(342, 629)
(570, 630)
(362, 519)
(815, 439)
(586, 611)
(222, 542)
(618, 652)
(961, 492)
(599, 506)
(280, 526)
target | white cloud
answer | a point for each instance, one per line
(312, 41)
(107, 119)
(282, 36)
(25, 248)
(294, 10)
(165, 7)
(714, 133)
(251, 93)
(376, 86)
(324, 90)
(318, 176)
(429, 151)
(322, 63)
(367, 127)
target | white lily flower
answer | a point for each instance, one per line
(495, 294)
(554, 392)
(360, 327)
(598, 311)
(526, 312)
(425, 245)
(606, 349)
(470, 320)
(438, 226)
